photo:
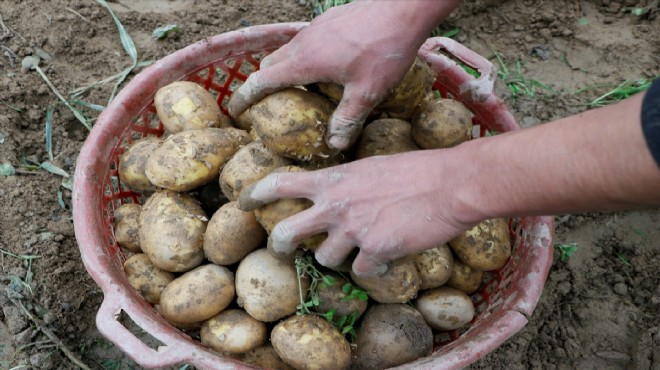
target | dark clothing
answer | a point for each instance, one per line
(651, 119)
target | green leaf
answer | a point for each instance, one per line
(67, 183)
(329, 280)
(49, 132)
(53, 169)
(162, 32)
(347, 288)
(126, 40)
(2, 138)
(6, 169)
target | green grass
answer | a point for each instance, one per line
(516, 81)
(622, 91)
(566, 250)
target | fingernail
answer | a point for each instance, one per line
(338, 142)
(275, 249)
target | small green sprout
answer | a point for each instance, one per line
(566, 250)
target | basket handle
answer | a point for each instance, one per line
(478, 89)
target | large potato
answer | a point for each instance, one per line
(310, 342)
(385, 137)
(441, 123)
(231, 234)
(233, 331)
(333, 297)
(465, 278)
(133, 161)
(127, 227)
(172, 227)
(434, 266)
(292, 123)
(399, 284)
(185, 105)
(485, 247)
(197, 295)
(264, 357)
(390, 335)
(251, 163)
(146, 278)
(445, 308)
(193, 158)
(267, 287)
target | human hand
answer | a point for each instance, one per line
(364, 46)
(387, 206)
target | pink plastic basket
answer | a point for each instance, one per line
(220, 64)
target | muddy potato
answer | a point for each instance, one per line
(172, 227)
(445, 308)
(264, 357)
(197, 295)
(465, 278)
(267, 287)
(441, 123)
(385, 137)
(146, 278)
(292, 123)
(133, 161)
(233, 331)
(231, 234)
(243, 121)
(250, 163)
(185, 105)
(192, 158)
(391, 335)
(399, 284)
(485, 247)
(333, 297)
(434, 266)
(127, 227)
(310, 342)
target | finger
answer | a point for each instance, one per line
(334, 250)
(290, 232)
(276, 186)
(369, 266)
(347, 120)
(274, 57)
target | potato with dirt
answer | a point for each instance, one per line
(399, 284)
(465, 278)
(391, 335)
(445, 308)
(197, 295)
(132, 164)
(189, 159)
(146, 278)
(233, 332)
(186, 105)
(172, 227)
(127, 226)
(264, 357)
(310, 342)
(249, 165)
(385, 136)
(485, 247)
(435, 266)
(293, 123)
(231, 234)
(339, 297)
(268, 288)
(441, 123)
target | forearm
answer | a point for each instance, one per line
(595, 161)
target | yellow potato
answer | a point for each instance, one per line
(127, 228)
(485, 247)
(185, 105)
(133, 161)
(233, 332)
(146, 278)
(434, 266)
(445, 308)
(441, 123)
(264, 357)
(465, 278)
(231, 234)
(385, 137)
(399, 284)
(197, 295)
(192, 158)
(172, 227)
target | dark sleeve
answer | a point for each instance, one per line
(651, 119)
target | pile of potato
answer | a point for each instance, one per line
(204, 265)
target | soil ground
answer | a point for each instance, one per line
(600, 308)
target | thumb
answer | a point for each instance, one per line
(347, 120)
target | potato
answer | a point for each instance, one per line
(250, 163)
(485, 247)
(192, 158)
(197, 295)
(172, 227)
(434, 266)
(231, 234)
(127, 228)
(445, 308)
(441, 123)
(332, 297)
(233, 331)
(385, 137)
(264, 357)
(292, 123)
(391, 335)
(185, 105)
(267, 288)
(465, 278)
(133, 161)
(146, 278)
(310, 342)
(399, 284)
(243, 121)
